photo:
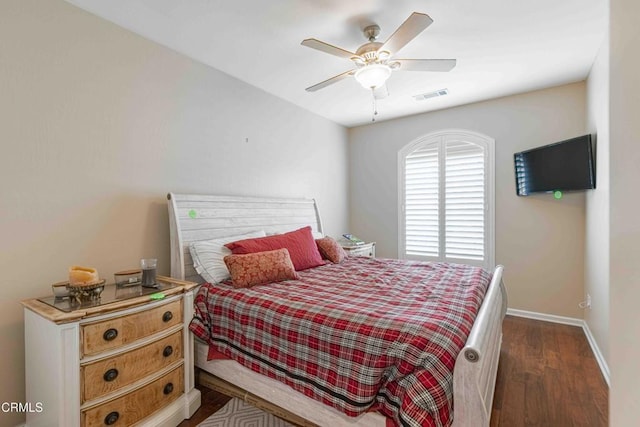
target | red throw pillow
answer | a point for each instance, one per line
(300, 243)
(331, 250)
(260, 267)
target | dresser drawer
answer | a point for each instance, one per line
(366, 250)
(112, 333)
(135, 406)
(108, 375)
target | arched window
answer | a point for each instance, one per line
(446, 198)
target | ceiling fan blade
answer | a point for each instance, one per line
(414, 25)
(327, 48)
(381, 92)
(426, 64)
(330, 81)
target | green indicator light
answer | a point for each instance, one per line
(157, 295)
(192, 214)
(557, 194)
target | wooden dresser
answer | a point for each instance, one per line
(115, 364)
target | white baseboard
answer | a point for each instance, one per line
(602, 363)
(604, 368)
(545, 317)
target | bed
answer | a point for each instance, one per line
(195, 218)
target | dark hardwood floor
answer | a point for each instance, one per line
(547, 377)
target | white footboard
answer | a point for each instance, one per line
(476, 367)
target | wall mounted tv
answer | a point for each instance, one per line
(563, 166)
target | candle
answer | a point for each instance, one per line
(82, 275)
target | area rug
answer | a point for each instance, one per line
(237, 413)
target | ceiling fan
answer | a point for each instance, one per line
(374, 61)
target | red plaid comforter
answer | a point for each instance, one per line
(368, 334)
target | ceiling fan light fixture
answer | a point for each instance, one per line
(372, 76)
(383, 55)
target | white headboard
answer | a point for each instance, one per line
(194, 217)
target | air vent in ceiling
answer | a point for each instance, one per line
(424, 96)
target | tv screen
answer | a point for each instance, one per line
(564, 166)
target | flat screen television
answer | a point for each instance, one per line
(564, 166)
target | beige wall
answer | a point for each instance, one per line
(597, 205)
(98, 125)
(540, 240)
(624, 151)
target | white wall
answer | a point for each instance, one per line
(597, 204)
(540, 240)
(624, 151)
(98, 124)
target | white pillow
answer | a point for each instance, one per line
(208, 255)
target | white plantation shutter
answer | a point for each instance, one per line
(447, 199)
(464, 200)
(421, 202)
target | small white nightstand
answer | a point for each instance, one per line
(366, 249)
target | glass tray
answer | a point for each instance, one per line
(111, 293)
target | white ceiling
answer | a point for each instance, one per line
(502, 47)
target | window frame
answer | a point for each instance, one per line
(441, 137)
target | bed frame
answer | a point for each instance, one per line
(201, 217)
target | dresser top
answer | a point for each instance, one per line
(113, 298)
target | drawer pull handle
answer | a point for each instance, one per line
(167, 316)
(110, 375)
(110, 334)
(168, 388)
(111, 418)
(168, 351)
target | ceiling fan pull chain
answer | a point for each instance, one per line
(375, 105)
